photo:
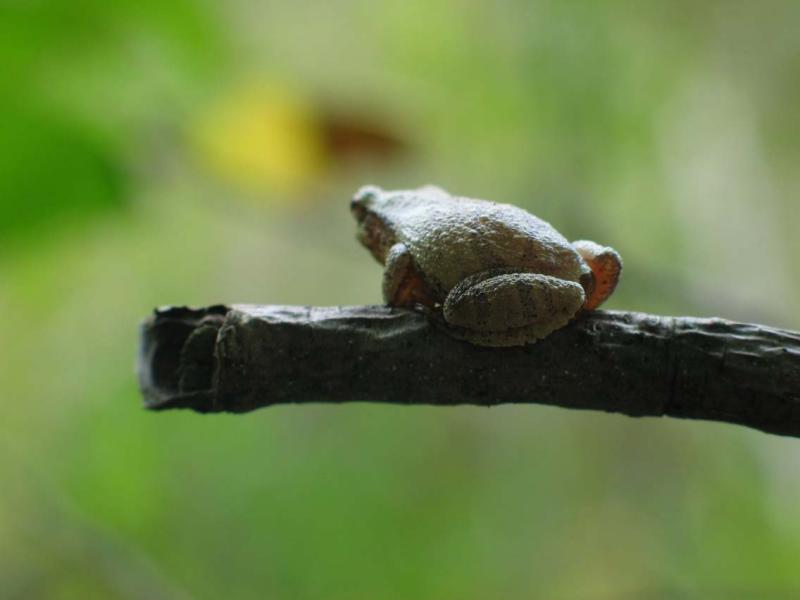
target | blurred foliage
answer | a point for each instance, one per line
(51, 168)
(80, 83)
(190, 152)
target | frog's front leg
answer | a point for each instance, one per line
(402, 283)
(500, 307)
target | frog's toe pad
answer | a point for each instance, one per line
(606, 266)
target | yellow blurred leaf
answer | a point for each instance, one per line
(262, 138)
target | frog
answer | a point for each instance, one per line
(489, 273)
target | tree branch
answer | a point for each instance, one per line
(239, 358)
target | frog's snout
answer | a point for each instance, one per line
(358, 210)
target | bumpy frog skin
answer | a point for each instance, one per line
(493, 274)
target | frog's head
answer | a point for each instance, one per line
(372, 208)
(383, 215)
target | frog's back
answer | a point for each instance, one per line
(456, 237)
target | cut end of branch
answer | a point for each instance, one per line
(177, 355)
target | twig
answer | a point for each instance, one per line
(239, 358)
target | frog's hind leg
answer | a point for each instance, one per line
(606, 266)
(402, 283)
(505, 308)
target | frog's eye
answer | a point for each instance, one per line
(366, 195)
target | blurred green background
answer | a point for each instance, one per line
(192, 152)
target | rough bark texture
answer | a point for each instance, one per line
(239, 358)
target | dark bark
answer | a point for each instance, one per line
(239, 358)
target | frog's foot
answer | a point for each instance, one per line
(402, 283)
(505, 308)
(606, 266)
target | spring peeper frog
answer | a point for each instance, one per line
(493, 274)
